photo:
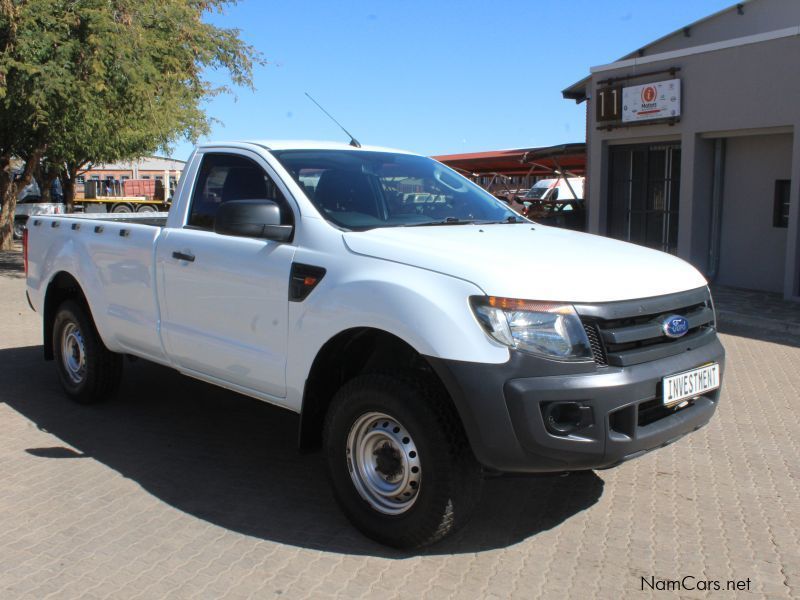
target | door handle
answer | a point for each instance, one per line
(183, 256)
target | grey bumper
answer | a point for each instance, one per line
(502, 407)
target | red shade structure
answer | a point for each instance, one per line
(535, 162)
(508, 173)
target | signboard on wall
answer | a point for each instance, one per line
(608, 104)
(657, 100)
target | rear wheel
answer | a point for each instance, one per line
(122, 208)
(146, 208)
(400, 465)
(19, 227)
(89, 371)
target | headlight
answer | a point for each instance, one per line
(542, 328)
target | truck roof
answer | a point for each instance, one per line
(301, 145)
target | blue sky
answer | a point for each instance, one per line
(431, 76)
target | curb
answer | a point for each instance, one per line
(727, 317)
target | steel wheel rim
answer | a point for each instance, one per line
(73, 353)
(384, 463)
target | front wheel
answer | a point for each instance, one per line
(89, 371)
(399, 462)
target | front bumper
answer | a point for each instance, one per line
(501, 407)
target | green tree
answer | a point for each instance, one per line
(89, 81)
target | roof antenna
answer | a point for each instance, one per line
(353, 141)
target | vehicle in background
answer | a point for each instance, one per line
(567, 214)
(557, 202)
(127, 196)
(32, 205)
(560, 188)
(29, 203)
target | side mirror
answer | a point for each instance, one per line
(252, 218)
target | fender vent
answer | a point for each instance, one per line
(302, 280)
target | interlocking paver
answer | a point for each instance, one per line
(177, 489)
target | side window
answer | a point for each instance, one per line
(225, 177)
(780, 208)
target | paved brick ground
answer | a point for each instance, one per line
(180, 490)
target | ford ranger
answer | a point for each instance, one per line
(393, 305)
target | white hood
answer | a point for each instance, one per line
(532, 261)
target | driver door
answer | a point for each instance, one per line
(224, 299)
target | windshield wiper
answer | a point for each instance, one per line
(447, 221)
(508, 219)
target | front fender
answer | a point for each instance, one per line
(427, 310)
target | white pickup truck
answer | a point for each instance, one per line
(424, 332)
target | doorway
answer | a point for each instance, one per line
(644, 195)
(755, 212)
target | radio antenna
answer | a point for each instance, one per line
(353, 141)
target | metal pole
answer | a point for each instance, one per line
(566, 180)
(715, 238)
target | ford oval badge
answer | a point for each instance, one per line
(675, 326)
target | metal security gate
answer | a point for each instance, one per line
(644, 195)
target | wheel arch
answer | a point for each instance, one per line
(63, 286)
(350, 353)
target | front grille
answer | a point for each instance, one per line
(654, 410)
(627, 419)
(629, 333)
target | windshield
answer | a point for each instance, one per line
(538, 190)
(362, 190)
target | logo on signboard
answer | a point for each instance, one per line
(649, 94)
(675, 326)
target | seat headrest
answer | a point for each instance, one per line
(244, 184)
(339, 190)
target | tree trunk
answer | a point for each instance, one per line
(7, 215)
(68, 186)
(47, 178)
(68, 183)
(8, 203)
(9, 189)
(44, 189)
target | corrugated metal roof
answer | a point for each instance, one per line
(520, 161)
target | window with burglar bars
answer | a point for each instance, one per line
(644, 195)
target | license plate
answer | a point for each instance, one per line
(690, 384)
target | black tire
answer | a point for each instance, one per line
(19, 227)
(101, 372)
(122, 208)
(146, 208)
(450, 477)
